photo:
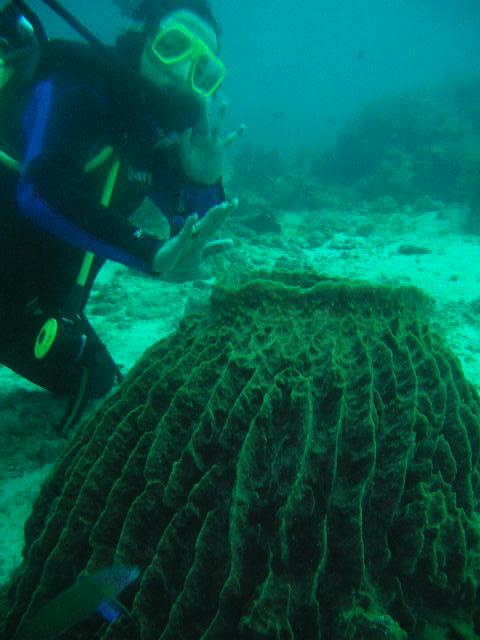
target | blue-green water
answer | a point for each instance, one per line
(297, 70)
(361, 159)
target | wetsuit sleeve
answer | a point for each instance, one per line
(63, 126)
(178, 197)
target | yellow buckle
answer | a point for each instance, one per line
(45, 339)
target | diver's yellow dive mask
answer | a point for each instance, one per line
(175, 43)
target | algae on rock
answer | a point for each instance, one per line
(301, 461)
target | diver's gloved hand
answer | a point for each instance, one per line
(202, 152)
(168, 255)
(184, 253)
(200, 245)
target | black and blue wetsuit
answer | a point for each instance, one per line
(52, 213)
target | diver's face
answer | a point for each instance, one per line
(178, 75)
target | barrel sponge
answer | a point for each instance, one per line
(299, 461)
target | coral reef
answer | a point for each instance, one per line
(301, 461)
(424, 142)
(419, 145)
(264, 180)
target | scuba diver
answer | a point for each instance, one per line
(87, 133)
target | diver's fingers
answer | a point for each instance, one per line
(233, 137)
(224, 210)
(217, 246)
(188, 228)
(217, 126)
(210, 222)
(215, 217)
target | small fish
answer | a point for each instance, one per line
(96, 592)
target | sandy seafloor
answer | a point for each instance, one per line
(131, 311)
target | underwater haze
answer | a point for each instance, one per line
(297, 451)
(297, 70)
